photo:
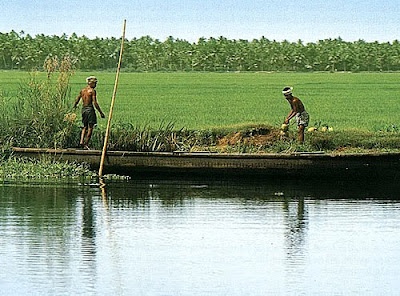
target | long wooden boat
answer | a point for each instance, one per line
(371, 165)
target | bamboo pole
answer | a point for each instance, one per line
(103, 154)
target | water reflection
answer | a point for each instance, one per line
(139, 193)
(196, 237)
(296, 223)
(88, 227)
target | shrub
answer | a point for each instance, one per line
(38, 116)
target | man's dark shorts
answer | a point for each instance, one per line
(89, 116)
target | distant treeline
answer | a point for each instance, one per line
(24, 52)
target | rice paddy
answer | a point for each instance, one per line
(203, 101)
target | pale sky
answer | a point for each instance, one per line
(308, 20)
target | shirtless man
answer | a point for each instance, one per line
(298, 110)
(88, 96)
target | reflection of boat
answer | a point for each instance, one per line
(297, 164)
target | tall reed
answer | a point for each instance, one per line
(39, 114)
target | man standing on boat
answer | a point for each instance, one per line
(298, 110)
(89, 119)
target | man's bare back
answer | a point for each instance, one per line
(87, 95)
(297, 105)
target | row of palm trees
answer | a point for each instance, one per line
(24, 52)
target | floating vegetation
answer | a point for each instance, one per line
(115, 177)
(25, 168)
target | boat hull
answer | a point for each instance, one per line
(371, 165)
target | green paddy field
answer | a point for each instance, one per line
(344, 101)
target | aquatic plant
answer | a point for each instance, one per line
(24, 168)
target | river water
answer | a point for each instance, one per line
(200, 237)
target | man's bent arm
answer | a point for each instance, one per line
(96, 105)
(290, 116)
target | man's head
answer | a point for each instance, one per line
(91, 80)
(287, 91)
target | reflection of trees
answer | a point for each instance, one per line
(142, 193)
(46, 216)
(43, 215)
(176, 194)
(122, 196)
